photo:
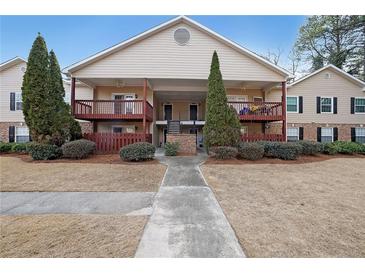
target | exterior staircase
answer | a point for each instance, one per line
(173, 127)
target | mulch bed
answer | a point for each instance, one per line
(301, 160)
(93, 159)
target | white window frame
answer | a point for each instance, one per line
(17, 93)
(355, 105)
(326, 112)
(16, 133)
(172, 111)
(258, 97)
(288, 129)
(125, 127)
(356, 135)
(197, 110)
(326, 135)
(125, 106)
(290, 111)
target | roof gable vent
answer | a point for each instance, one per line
(327, 75)
(182, 36)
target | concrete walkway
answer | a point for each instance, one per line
(126, 203)
(187, 220)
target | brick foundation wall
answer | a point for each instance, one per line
(187, 142)
(86, 127)
(310, 130)
(4, 129)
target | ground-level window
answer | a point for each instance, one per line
(326, 105)
(293, 134)
(21, 134)
(244, 130)
(292, 104)
(123, 129)
(359, 105)
(360, 135)
(326, 135)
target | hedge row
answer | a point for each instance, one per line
(286, 151)
(13, 147)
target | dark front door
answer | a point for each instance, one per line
(168, 112)
(193, 112)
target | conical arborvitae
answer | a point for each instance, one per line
(35, 92)
(222, 127)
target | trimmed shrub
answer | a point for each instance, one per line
(5, 147)
(137, 152)
(78, 149)
(171, 149)
(44, 151)
(223, 152)
(344, 147)
(19, 147)
(269, 148)
(310, 147)
(251, 151)
(288, 151)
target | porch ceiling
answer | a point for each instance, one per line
(175, 84)
(169, 96)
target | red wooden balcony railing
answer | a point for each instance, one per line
(263, 111)
(262, 137)
(112, 142)
(111, 109)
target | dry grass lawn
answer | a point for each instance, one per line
(306, 210)
(70, 235)
(17, 175)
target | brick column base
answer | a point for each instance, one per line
(187, 142)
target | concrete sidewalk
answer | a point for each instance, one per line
(187, 220)
(126, 203)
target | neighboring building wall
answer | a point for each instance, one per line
(4, 129)
(159, 56)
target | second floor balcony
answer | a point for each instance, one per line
(112, 109)
(258, 111)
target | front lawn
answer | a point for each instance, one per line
(18, 175)
(68, 236)
(287, 210)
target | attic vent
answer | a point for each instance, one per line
(327, 76)
(22, 69)
(182, 36)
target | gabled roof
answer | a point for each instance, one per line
(174, 21)
(336, 69)
(12, 62)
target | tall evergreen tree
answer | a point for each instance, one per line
(222, 127)
(46, 114)
(35, 92)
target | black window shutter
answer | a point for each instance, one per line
(335, 105)
(301, 129)
(11, 134)
(335, 134)
(12, 100)
(300, 104)
(318, 104)
(353, 135)
(319, 134)
(352, 105)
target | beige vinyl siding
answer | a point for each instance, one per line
(318, 85)
(159, 56)
(10, 81)
(250, 93)
(106, 92)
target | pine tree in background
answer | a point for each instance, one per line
(222, 127)
(35, 92)
(46, 114)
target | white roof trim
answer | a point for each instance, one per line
(330, 66)
(14, 61)
(181, 18)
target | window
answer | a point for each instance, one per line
(292, 104)
(293, 134)
(244, 130)
(258, 99)
(326, 105)
(360, 135)
(21, 135)
(326, 135)
(359, 105)
(123, 129)
(18, 101)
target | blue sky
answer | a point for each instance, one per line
(76, 37)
